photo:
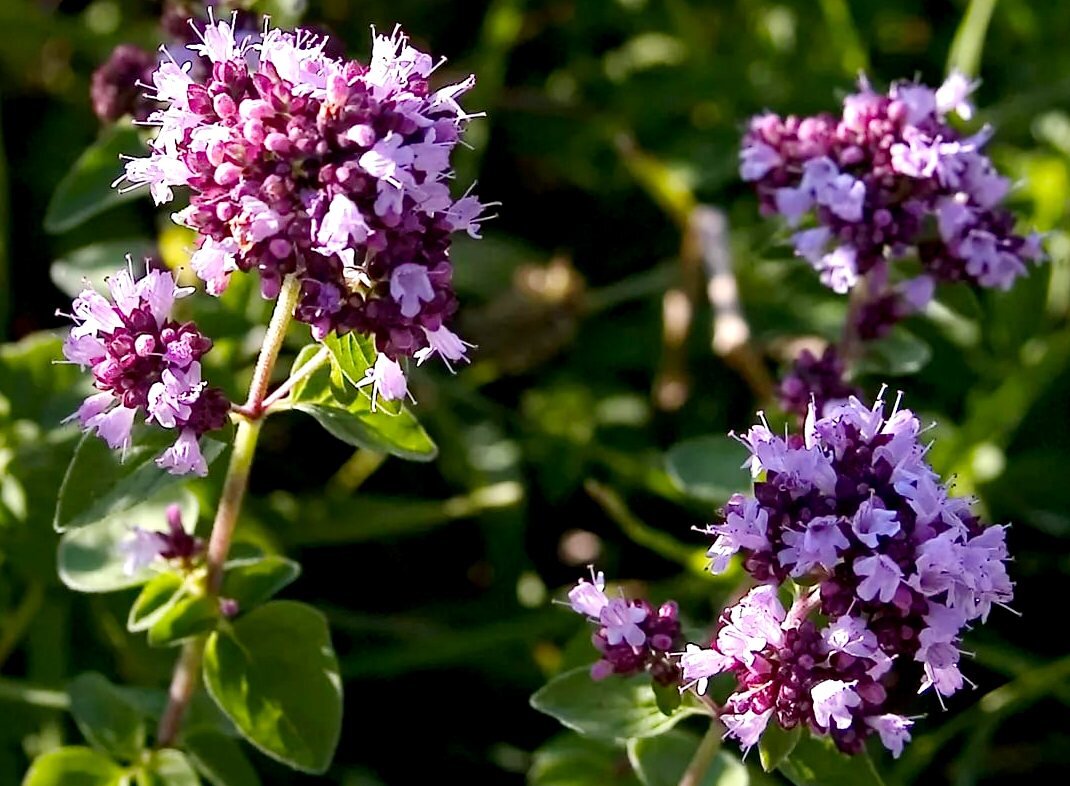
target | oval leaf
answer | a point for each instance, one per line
(101, 482)
(569, 760)
(105, 717)
(96, 262)
(898, 354)
(250, 582)
(274, 673)
(613, 709)
(90, 559)
(329, 395)
(662, 761)
(816, 762)
(74, 766)
(776, 744)
(156, 597)
(168, 768)
(188, 616)
(707, 468)
(86, 189)
(220, 759)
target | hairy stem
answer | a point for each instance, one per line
(704, 756)
(314, 363)
(269, 351)
(188, 669)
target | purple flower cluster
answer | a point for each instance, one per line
(117, 86)
(900, 567)
(632, 635)
(334, 171)
(789, 671)
(144, 362)
(817, 380)
(114, 89)
(143, 547)
(887, 179)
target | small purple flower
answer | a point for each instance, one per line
(894, 731)
(833, 702)
(589, 597)
(141, 547)
(700, 664)
(620, 622)
(873, 521)
(818, 545)
(387, 380)
(881, 577)
(747, 727)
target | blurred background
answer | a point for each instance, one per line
(588, 428)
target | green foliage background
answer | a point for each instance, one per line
(608, 120)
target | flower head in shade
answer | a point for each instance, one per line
(867, 187)
(299, 162)
(142, 547)
(145, 364)
(815, 379)
(632, 636)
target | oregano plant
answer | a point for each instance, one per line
(866, 570)
(327, 181)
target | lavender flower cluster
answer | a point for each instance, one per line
(632, 636)
(901, 568)
(144, 363)
(331, 170)
(887, 179)
(896, 567)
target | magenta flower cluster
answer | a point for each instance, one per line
(328, 169)
(898, 566)
(144, 364)
(632, 636)
(889, 570)
(886, 180)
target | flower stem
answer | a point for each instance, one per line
(188, 669)
(317, 360)
(704, 756)
(269, 351)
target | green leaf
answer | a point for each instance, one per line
(668, 697)
(86, 189)
(100, 483)
(776, 744)
(816, 762)
(188, 616)
(707, 468)
(274, 673)
(96, 262)
(569, 760)
(969, 41)
(613, 709)
(352, 355)
(329, 395)
(74, 766)
(90, 559)
(168, 768)
(662, 761)
(220, 759)
(252, 581)
(105, 717)
(898, 354)
(156, 597)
